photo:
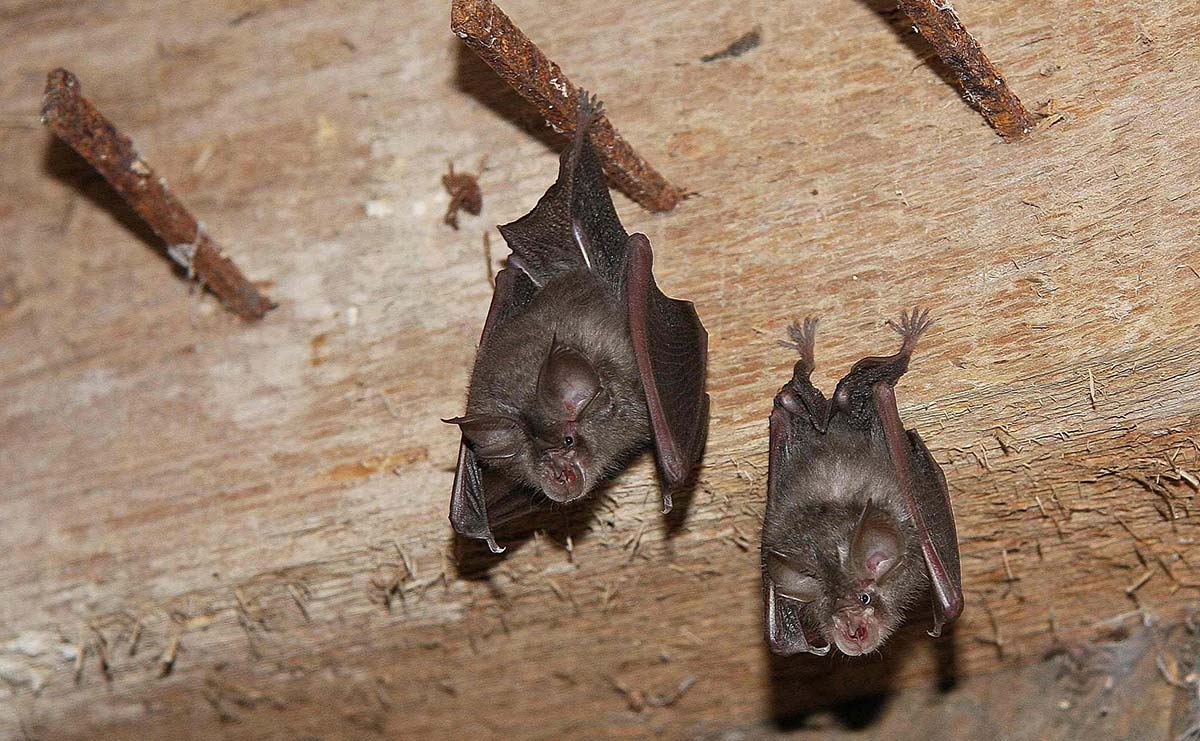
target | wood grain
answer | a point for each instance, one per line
(170, 476)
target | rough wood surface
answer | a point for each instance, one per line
(223, 512)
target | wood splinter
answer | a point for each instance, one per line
(983, 85)
(78, 123)
(517, 60)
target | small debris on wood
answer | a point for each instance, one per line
(391, 410)
(639, 700)
(996, 639)
(607, 597)
(1008, 573)
(635, 542)
(465, 194)
(1132, 588)
(299, 595)
(1169, 667)
(502, 46)
(487, 260)
(670, 698)
(1049, 114)
(78, 123)
(81, 649)
(101, 644)
(136, 638)
(166, 662)
(635, 699)
(391, 587)
(740, 46)
(983, 85)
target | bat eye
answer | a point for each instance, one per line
(568, 442)
(864, 598)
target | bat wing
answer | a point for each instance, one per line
(468, 508)
(799, 410)
(671, 346)
(924, 488)
(933, 501)
(574, 225)
(867, 400)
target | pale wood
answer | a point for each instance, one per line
(164, 464)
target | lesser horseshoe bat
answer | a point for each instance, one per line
(582, 361)
(858, 518)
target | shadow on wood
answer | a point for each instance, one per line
(902, 27)
(62, 163)
(516, 516)
(474, 78)
(856, 690)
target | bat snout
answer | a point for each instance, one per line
(566, 480)
(853, 634)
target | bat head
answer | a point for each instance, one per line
(567, 386)
(556, 443)
(857, 601)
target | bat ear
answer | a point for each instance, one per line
(877, 546)
(491, 436)
(567, 383)
(790, 581)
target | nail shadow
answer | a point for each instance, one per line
(901, 25)
(65, 165)
(473, 77)
(62, 163)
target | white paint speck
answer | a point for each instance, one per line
(378, 209)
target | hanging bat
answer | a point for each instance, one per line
(583, 361)
(858, 517)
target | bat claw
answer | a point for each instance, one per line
(590, 108)
(804, 340)
(911, 326)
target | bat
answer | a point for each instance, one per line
(582, 361)
(858, 519)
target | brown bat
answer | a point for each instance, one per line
(582, 360)
(858, 517)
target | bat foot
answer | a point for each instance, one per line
(911, 326)
(590, 108)
(804, 340)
